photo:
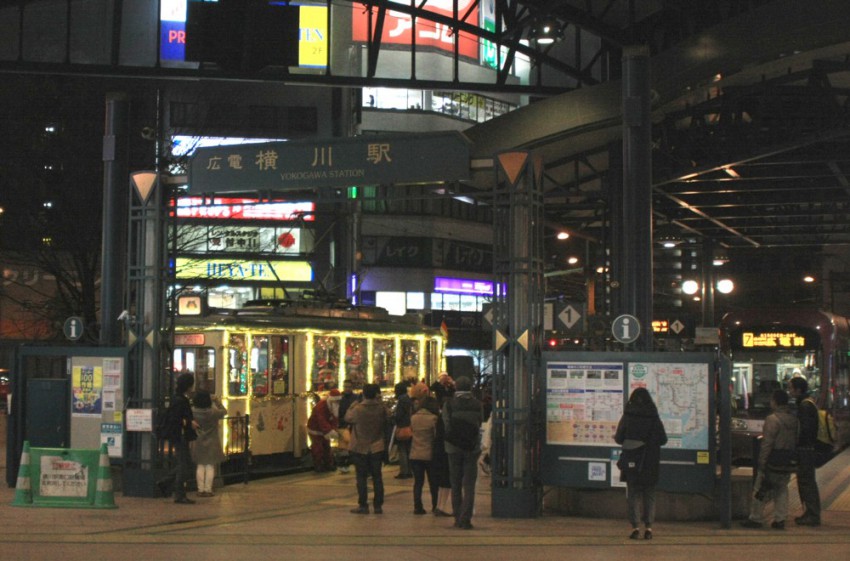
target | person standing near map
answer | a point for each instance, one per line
(641, 434)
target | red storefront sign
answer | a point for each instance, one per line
(398, 27)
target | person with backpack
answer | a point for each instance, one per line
(180, 432)
(462, 416)
(641, 434)
(807, 484)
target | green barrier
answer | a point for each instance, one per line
(65, 478)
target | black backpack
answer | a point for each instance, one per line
(162, 430)
(462, 433)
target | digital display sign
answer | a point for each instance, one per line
(773, 339)
(231, 208)
(244, 270)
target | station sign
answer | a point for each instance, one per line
(331, 162)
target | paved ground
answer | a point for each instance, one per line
(306, 516)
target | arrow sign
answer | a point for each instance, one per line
(500, 340)
(487, 316)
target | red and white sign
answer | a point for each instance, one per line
(243, 209)
(398, 27)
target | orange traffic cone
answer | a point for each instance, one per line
(103, 495)
(23, 487)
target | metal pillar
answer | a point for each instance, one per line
(518, 334)
(636, 214)
(146, 306)
(115, 169)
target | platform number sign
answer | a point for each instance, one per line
(73, 328)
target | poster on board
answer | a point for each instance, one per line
(680, 391)
(584, 402)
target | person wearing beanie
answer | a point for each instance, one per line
(322, 427)
(462, 416)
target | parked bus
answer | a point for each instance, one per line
(271, 360)
(768, 347)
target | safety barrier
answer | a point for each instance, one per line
(237, 448)
(62, 477)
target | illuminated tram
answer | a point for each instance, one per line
(268, 360)
(770, 346)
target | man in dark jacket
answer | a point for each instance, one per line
(181, 431)
(807, 484)
(462, 417)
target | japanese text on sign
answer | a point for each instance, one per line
(773, 339)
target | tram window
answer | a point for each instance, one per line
(356, 361)
(198, 361)
(409, 360)
(383, 362)
(279, 351)
(325, 363)
(260, 365)
(237, 368)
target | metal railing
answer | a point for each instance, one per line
(237, 448)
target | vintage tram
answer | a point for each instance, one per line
(270, 361)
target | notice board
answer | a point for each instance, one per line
(585, 397)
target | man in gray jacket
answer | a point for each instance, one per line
(779, 433)
(368, 418)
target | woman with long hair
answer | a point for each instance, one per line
(641, 434)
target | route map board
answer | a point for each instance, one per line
(584, 402)
(680, 391)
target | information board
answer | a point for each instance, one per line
(584, 401)
(680, 391)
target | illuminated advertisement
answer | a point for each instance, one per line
(227, 208)
(312, 43)
(243, 239)
(399, 29)
(244, 270)
(463, 286)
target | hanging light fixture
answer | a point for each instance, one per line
(668, 235)
(546, 31)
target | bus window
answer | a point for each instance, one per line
(356, 361)
(383, 362)
(325, 363)
(198, 361)
(279, 351)
(237, 368)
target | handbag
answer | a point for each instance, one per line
(403, 433)
(631, 461)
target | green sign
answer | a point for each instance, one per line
(372, 160)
